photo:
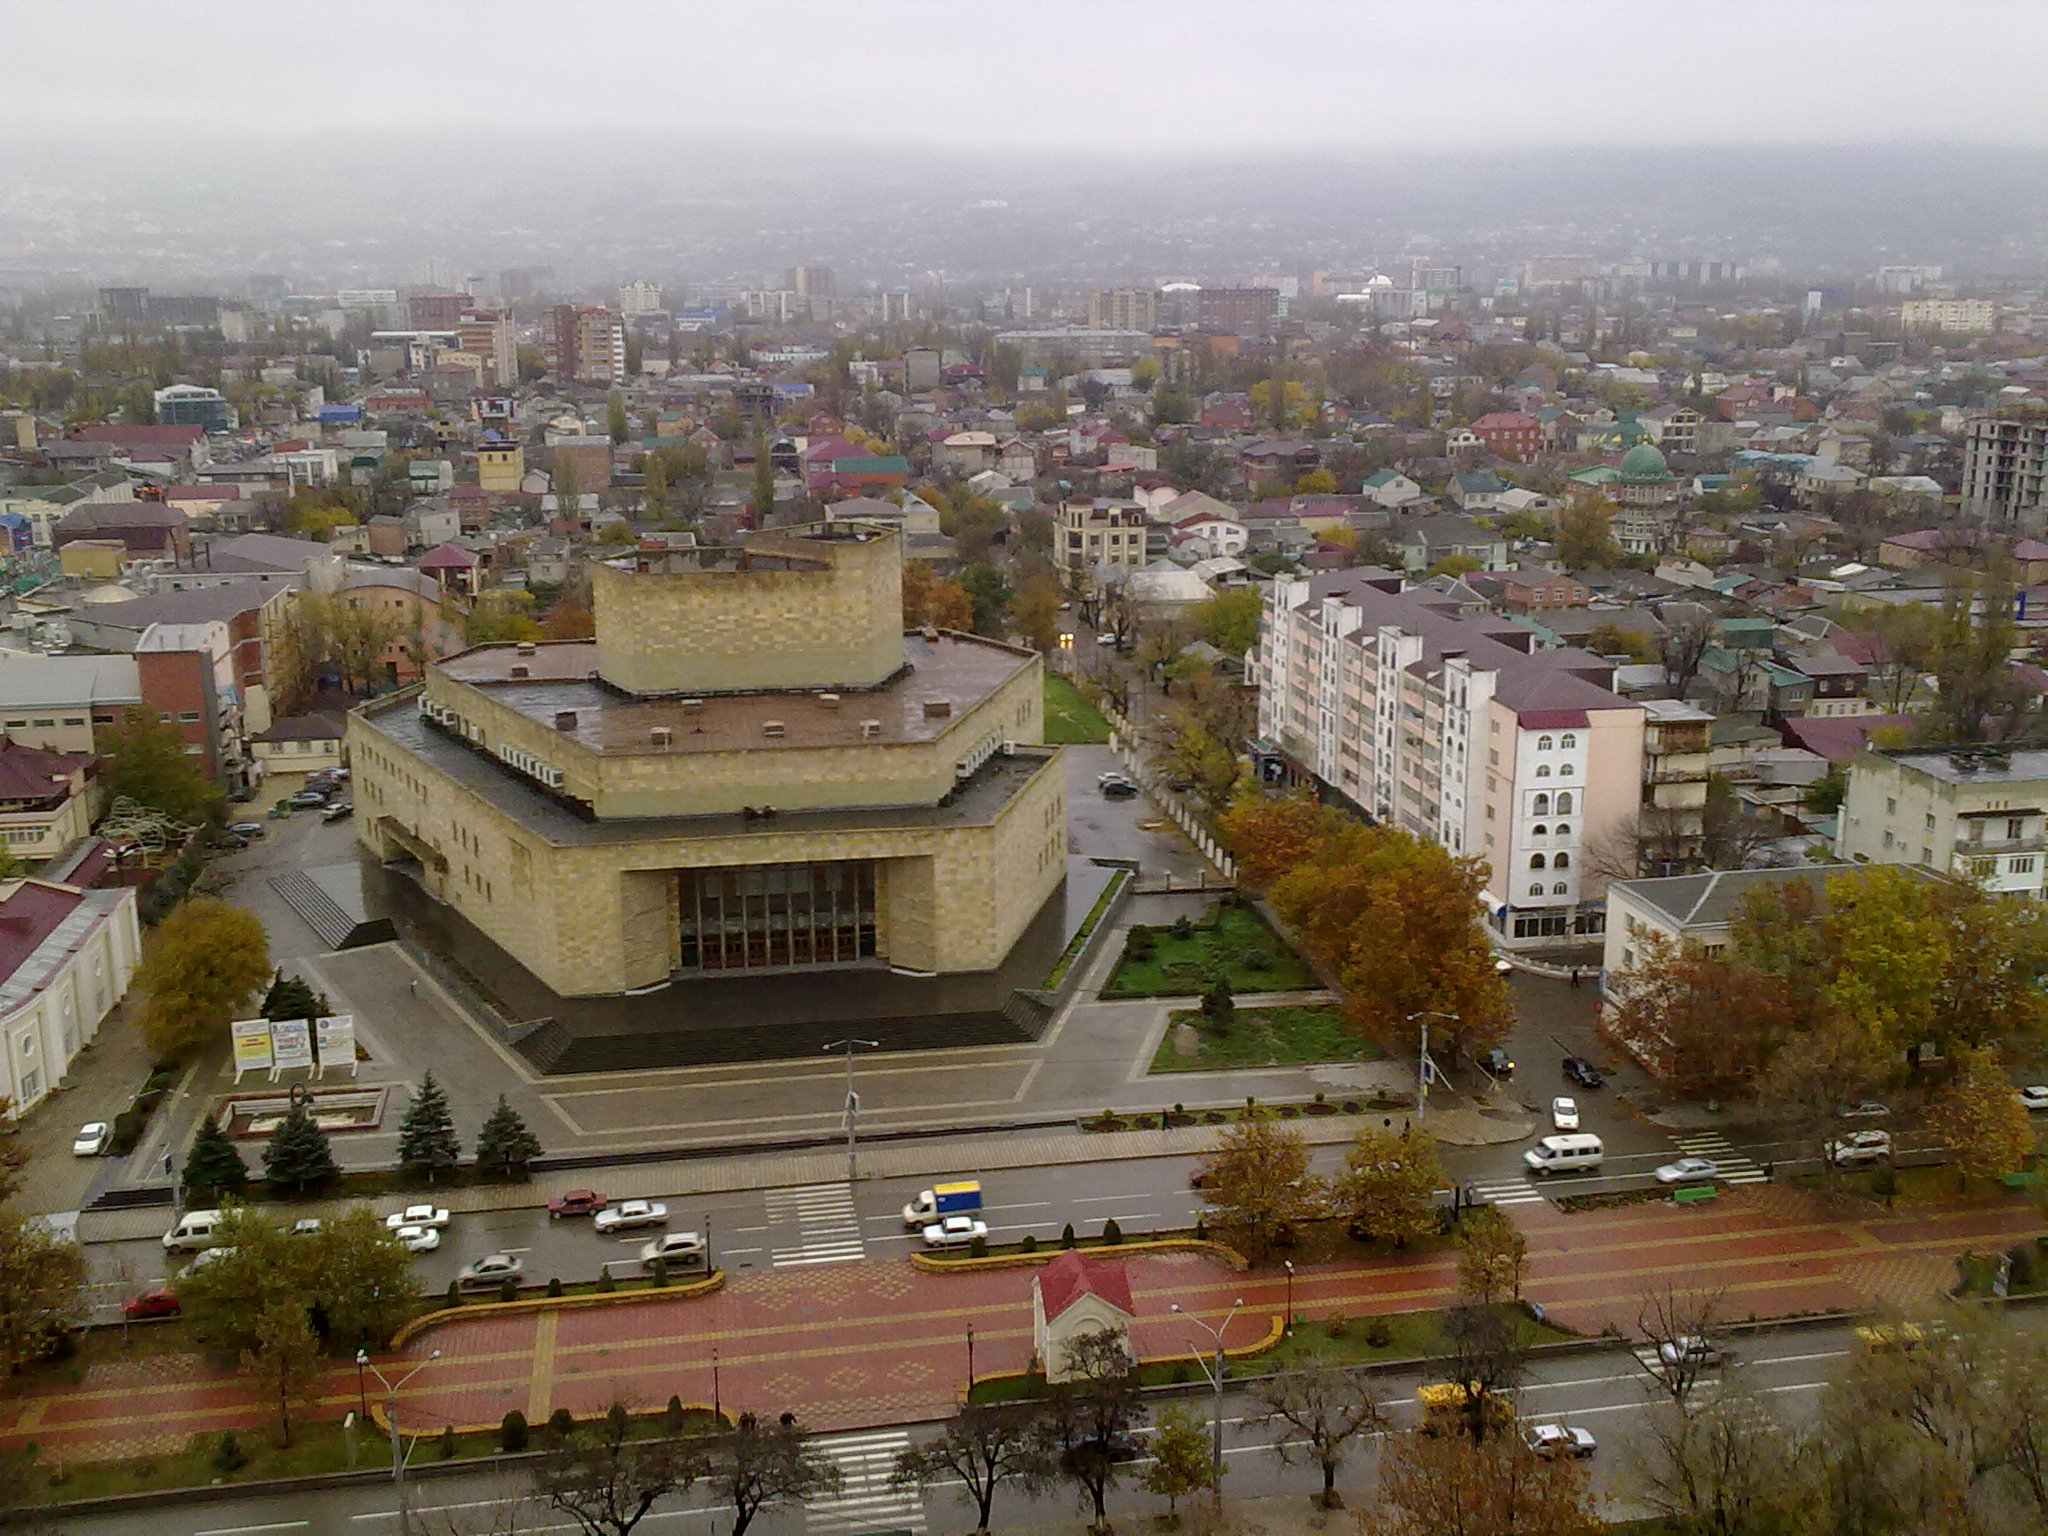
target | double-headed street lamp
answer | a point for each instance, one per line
(1288, 1265)
(852, 1099)
(391, 1420)
(1422, 1064)
(1215, 1375)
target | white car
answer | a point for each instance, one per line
(2035, 1097)
(491, 1270)
(1564, 1114)
(1552, 1440)
(679, 1250)
(1691, 1349)
(92, 1139)
(1686, 1169)
(628, 1214)
(418, 1239)
(307, 1226)
(417, 1216)
(954, 1232)
(1859, 1149)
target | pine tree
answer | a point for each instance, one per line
(426, 1136)
(504, 1143)
(297, 1156)
(214, 1166)
(291, 997)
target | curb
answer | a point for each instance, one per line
(443, 1316)
(936, 1264)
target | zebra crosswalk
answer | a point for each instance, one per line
(1506, 1191)
(1733, 1167)
(865, 1500)
(827, 1225)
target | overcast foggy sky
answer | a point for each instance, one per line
(1344, 77)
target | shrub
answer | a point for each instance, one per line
(554, 1285)
(1201, 1229)
(672, 1416)
(561, 1424)
(1029, 1243)
(1142, 944)
(1218, 1007)
(2022, 1264)
(1884, 1183)
(618, 1421)
(512, 1432)
(1379, 1333)
(508, 1289)
(606, 1284)
(1338, 1326)
(447, 1442)
(1112, 1234)
(453, 1296)
(1319, 1096)
(1183, 928)
(657, 1274)
(1067, 1235)
(228, 1455)
(1178, 1374)
(977, 1247)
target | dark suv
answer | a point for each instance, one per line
(1497, 1062)
(1583, 1072)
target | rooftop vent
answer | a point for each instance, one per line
(931, 631)
(527, 648)
(936, 708)
(660, 735)
(565, 719)
(829, 700)
(519, 672)
(691, 706)
(869, 729)
(771, 727)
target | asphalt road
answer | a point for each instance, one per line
(1606, 1392)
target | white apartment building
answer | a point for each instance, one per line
(1456, 729)
(2005, 468)
(1953, 317)
(1978, 813)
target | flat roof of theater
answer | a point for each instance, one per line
(954, 671)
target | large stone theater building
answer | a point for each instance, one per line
(753, 768)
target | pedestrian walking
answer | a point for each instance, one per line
(1575, 975)
(413, 986)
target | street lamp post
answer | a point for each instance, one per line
(970, 1360)
(391, 1420)
(1215, 1375)
(1422, 1062)
(852, 1099)
(717, 1418)
(1288, 1265)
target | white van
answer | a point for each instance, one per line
(194, 1231)
(1563, 1154)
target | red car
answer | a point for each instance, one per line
(577, 1202)
(162, 1302)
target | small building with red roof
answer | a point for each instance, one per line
(66, 957)
(452, 566)
(1073, 1296)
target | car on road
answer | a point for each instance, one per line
(1686, 1169)
(491, 1269)
(1564, 1114)
(1859, 1149)
(1869, 1109)
(1884, 1338)
(307, 1226)
(228, 842)
(1497, 1062)
(305, 799)
(246, 828)
(1554, 1440)
(628, 1214)
(92, 1139)
(1691, 1349)
(678, 1250)
(1581, 1071)
(161, 1302)
(417, 1216)
(1116, 787)
(577, 1202)
(1112, 1445)
(955, 1232)
(1107, 639)
(2034, 1097)
(340, 810)
(418, 1239)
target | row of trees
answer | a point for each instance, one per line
(1827, 993)
(1393, 916)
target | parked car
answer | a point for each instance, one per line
(1118, 788)
(1113, 1444)
(307, 1226)
(161, 1302)
(1583, 1072)
(1691, 1349)
(340, 810)
(1497, 1062)
(417, 1216)
(1859, 1149)
(678, 1250)
(577, 1202)
(2034, 1097)
(629, 1214)
(490, 1270)
(246, 828)
(954, 1232)
(1554, 1440)
(418, 1239)
(305, 799)
(1869, 1109)
(228, 842)
(1686, 1169)
(92, 1139)
(1564, 1114)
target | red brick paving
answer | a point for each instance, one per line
(847, 1345)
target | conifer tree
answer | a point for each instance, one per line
(503, 1143)
(214, 1166)
(297, 1156)
(426, 1136)
(291, 997)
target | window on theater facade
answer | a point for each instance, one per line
(766, 916)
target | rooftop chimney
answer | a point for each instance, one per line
(565, 719)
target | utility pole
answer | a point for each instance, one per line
(1215, 1375)
(391, 1420)
(852, 1102)
(1422, 1068)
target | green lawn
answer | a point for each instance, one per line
(1234, 940)
(1265, 1037)
(1070, 720)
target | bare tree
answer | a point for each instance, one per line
(1314, 1412)
(983, 1446)
(1730, 1467)
(1089, 1413)
(1684, 647)
(756, 1464)
(1486, 1353)
(607, 1482)
(1681, 1329)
